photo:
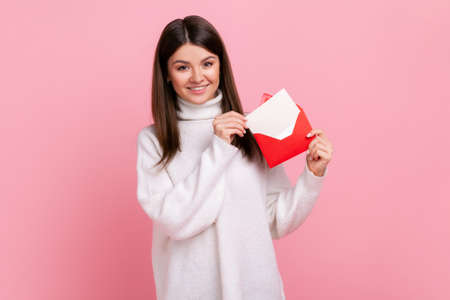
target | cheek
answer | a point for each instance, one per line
(214, 74)
(180, 79)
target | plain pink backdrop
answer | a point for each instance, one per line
(374, 75)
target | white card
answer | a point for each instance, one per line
(276, 117)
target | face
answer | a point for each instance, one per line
(194, 73)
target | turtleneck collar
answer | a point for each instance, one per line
(208, 110)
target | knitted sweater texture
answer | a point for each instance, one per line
(215, 213)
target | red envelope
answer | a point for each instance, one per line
(276, 151)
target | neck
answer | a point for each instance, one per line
(192, 111)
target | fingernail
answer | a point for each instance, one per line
(308, 135)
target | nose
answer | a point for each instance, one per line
(197, 75)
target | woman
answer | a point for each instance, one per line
(215, 204)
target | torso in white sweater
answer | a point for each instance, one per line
(215, 213)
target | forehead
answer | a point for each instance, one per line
(191, 53)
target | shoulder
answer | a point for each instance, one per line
(146, 137)
(147, 132)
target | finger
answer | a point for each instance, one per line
(233, 114)
(322, 141)
(220, 125)
(231, 119)
(314, 148)
(230, 132)
(320, 137)
(316, 131)
(315, 151)
(239, 121)
(316, 140)
(321, 153)
(312, 151)
(236, 126)
(313, 155)
(237, 114)
(223, 129)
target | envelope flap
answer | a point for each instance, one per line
(276, 117)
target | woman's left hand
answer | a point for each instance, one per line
(319, 152)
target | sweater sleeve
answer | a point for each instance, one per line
(288, 207)
(189, 206)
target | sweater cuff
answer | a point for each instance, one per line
(313, 180)
(224, 145)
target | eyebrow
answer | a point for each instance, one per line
(186, 62)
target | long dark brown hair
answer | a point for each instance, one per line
(197, 31)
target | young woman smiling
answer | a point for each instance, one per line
(214, 202)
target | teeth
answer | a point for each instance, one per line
(199, 88)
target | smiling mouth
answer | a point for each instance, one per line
(198, 88)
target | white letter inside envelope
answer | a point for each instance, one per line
(276, 117)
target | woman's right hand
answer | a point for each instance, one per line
(228, 124)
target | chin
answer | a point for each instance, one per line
(199, 99)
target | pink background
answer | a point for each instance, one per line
(374, 75)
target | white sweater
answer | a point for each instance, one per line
(215, 213)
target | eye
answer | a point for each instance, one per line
(208, 62)
(180, 68)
